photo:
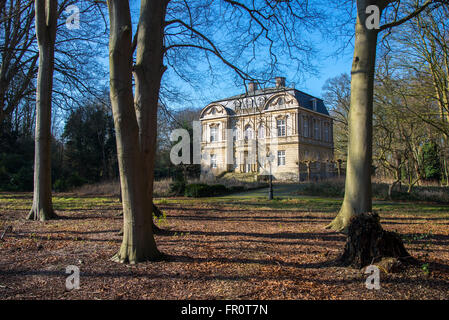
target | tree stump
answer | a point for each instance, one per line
(368, 243)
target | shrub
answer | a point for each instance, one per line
(235, 189)
(60, 185)
(75, 180)
(329, 189)
(430, 154)
(177, 188)
(197, 190)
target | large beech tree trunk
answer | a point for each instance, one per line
(366, 241)
(357, 197)
(148, 72)
(138, 241)
(46, 24)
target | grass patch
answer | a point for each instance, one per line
(336, 188)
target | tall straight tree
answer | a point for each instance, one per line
(135, 123)
(367, 241)
(358, 197)
(148, 72)
(46, 24)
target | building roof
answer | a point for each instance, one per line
(304, 99)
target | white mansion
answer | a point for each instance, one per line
(279, 126)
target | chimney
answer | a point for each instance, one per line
(252, 86)
(280, 82)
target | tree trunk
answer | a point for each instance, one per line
(46, 23)
(391, 187)
(148, 73)
(308, 171)
(357, 198)
(138, 241)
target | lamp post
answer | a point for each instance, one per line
(270, 190)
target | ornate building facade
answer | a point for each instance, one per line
(276, 128)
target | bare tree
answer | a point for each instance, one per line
(77, 68)
(46, 20)
(18, 54)
(337, 95)
(134, 142)
(427, 51)
(165, 30)
(358, 196)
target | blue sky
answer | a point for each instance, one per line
(222, 84)
(331, 65)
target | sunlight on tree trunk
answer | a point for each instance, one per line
(357, 198)
(46, 23)
(148, 72)
(138, 241)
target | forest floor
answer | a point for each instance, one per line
(235, 247)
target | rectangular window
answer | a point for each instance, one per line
(213, 160)
(281, 158)
(326, 132)
(281, 127)
(213, 134)
(316, 128)
(306, 127)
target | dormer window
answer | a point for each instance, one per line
(314, 104)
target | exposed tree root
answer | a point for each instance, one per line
(41, 214)
(128, 254)
(341, 221)
(337, 224)
(367, 243)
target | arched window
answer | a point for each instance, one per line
(261, 132)
(248, 132)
